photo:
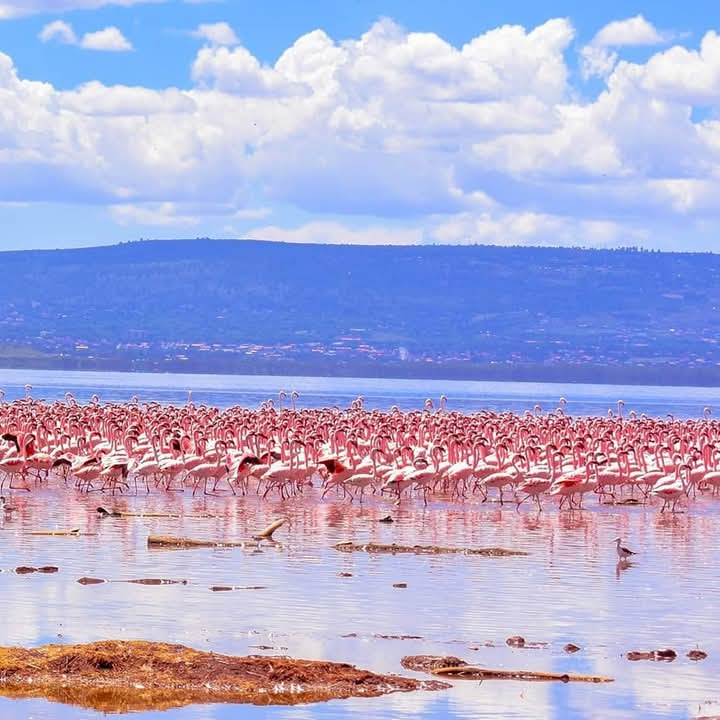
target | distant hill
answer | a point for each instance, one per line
(472, 311)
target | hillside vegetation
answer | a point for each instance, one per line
(163, 302)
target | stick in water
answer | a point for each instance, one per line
(267, 533)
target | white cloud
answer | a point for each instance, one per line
(334, 233)
(393, 136)
(165, 214)
(633, 31)
(19, 8)
(109, 39)
(237, 71)
(216, 33)
(532, 228)
(59, 30)
(598, 59)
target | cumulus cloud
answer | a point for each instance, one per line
(216, 34)
(109, 39)
(598, 58)
(390, 137)
(633, 31)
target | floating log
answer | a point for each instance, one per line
(228, 588)
(154, 581)
(473, 672)
(167, 541)
(450, 666)
(123, 514)
(75, 532)
(349, 546)
(123, 676)
(139, 581)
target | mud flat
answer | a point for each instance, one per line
(123, 676)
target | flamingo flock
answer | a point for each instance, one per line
(429, 454)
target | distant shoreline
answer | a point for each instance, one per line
(655, 375)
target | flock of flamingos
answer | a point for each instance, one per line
(350, 454)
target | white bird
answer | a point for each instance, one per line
(622, 552)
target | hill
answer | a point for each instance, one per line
(454, 311)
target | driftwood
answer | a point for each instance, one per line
(349, 546)
(453, 667)
(104, 512)
(123, 676)
(472, 672)
(167, 541)
(267, 533)
(139, 581)
(75, 532)
(228, 588)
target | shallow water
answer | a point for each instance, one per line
(568, 589)
(464, 396)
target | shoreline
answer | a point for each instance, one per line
(655, 376)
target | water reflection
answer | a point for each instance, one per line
(622, 566)
(569, 589)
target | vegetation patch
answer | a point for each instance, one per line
(122, 676)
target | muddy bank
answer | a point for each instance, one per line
(120, 676)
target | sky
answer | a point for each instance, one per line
(522, 122)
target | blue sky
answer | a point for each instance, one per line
(365, 121)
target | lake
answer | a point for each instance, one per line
(569, 587)
(463, 396)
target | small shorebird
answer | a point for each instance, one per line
(623, 552)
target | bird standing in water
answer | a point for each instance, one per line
(622, 552)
